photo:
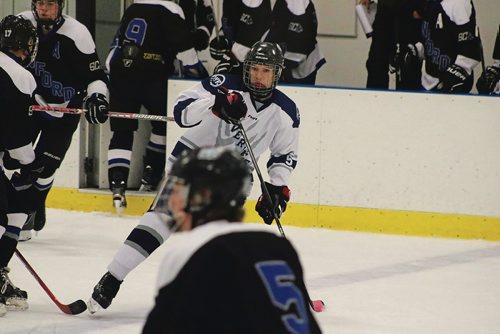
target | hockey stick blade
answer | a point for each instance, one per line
(317, 305)
(74, 308)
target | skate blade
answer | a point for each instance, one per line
(3, 310)
(93, 306)
(17, 304)
(117, 203)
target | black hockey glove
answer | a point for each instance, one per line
(219, 46)
(404, 57)
(29, 174)
(488, 80)
(453, 80)
(97, 108)
(280, 196)
(231, 107)
(200, 39)
(227, 64)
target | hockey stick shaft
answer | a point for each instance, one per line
(76, 307)
(261, 179)
(114, 114)
(316, 305)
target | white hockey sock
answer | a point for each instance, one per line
(2, 231)
(131, 253)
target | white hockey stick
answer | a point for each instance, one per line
(114, 114)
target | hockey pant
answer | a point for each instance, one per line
(129, 96)
(13, 215)
(55, 135)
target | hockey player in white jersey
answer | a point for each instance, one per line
(212, 111)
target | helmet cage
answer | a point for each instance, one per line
(256, 90)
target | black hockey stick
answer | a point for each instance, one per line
(114, 114)
(76, 307)
(316, 305)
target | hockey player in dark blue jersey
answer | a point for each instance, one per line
(152, 34)
(489, 81)
(68, 74)
(18, 47)
(295, 28)
(223, 276)
(449, 45)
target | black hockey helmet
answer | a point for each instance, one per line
(44, 22)
(216, 180)
(263, 53)
(18, 33)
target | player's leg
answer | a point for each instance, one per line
(154, 159)
(11, 222)
(124, 98)
(144, 239)
(53, 143)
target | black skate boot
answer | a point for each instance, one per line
(104, 292)
(15, 298)
(150, 179)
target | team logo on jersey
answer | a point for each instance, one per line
(295, 27)
(55, 52)
(217, 80)
(247, 19)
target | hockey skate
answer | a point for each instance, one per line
(149, 180)
(15, 298)
(119, 200)
(104, 292)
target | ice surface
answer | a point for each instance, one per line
(370, 283)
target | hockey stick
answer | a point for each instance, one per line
(76, 307)
(316, 305)
(114, 114)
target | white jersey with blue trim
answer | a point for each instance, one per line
(272, 125)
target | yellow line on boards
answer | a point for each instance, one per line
(331, 217)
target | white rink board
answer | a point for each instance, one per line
(390, 150)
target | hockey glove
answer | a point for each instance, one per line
(97, 108)
(488, 80)
(29, 174)
(404, 56)
(280, 195)
(231, 107)
(453, 80)
(227, 64)
(219, 46)
(200, 39)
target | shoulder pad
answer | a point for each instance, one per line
(76, 31)
(288, 106)
(20, 76)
